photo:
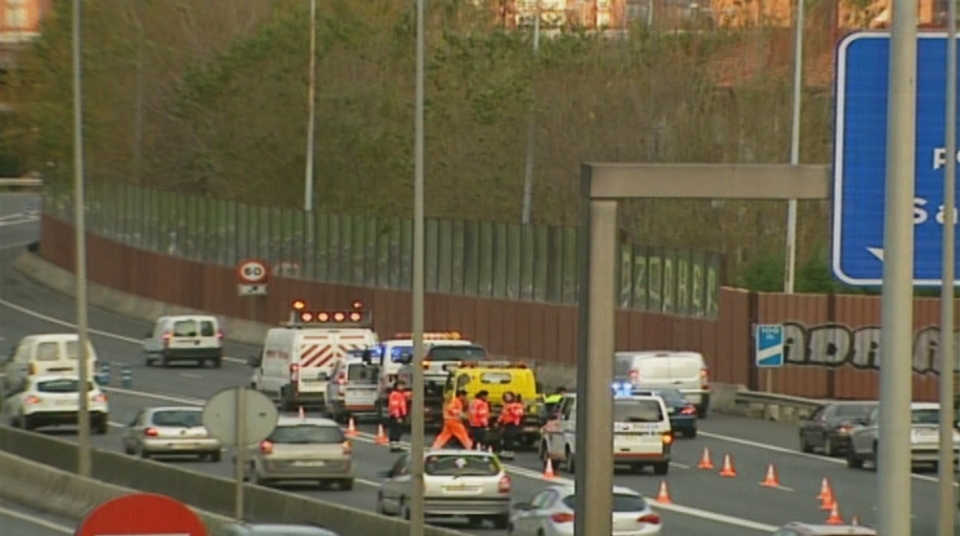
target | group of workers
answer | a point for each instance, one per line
(477, 432)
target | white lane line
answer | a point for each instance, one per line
(57, 321)
(16, 245)
(679, 465)
(49, 525)
(780, 488)
(798, 454)
(193, 376)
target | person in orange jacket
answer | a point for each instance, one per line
(478, 418)
(511, 419)
(398, 409)
(453, 423)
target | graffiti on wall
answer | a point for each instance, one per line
(837, 345)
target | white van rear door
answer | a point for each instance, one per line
(49, 357)
(685, 371)
(362, 387)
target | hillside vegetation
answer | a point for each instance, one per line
(210, 97)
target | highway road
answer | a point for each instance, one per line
(16, 520)
(704, 503)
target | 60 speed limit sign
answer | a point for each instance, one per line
(252, 272)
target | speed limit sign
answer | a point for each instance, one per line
(252, 272)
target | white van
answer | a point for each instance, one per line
(44, 355)
(354, 390)
(642, 434)
(184, 338)
(684, 371)
(297, 363)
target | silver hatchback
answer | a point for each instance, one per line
(170, 431)
(302, 449)
(458, 483)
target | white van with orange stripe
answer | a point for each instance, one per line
(299, 360)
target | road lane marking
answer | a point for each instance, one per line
(114, 336)
(679, 465)
(193, 376)
(32, 519)
(16, 245)
(778, 487)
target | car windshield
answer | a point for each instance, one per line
(363, 373)
(633, 410)
(178, 417)
(307, 433)
(622, 502)
(65, 385)
(457, 353)
(855, 410)
(460, 465)
(925, 416)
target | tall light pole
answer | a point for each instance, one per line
(789, 280)
(418, 439)
(79, 226)
(896, 322)
(946, 506)
(311, 114)
(531, 127)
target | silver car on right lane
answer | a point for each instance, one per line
(551, 513)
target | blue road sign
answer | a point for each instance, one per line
(769, 339)
(860, 158)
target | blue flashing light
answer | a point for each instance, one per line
(622, 389)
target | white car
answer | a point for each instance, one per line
(458, 483)
(924, 437)
(551, 511)
(54, 400)
(196, 339)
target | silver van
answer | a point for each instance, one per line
(684, 371)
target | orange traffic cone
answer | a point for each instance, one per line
(548, 470)
(828, 500)
(855, 521)
(663, 497)
(834, 518)
(728, 470)
(381, 438)
(825, 490)
(705, 461)
(771, 480)
(352, 428)
(301, 414)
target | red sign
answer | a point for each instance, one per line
(142, 514)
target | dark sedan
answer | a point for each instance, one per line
(828, 428)
(683, 415)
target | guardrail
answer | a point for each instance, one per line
(738, 400)
(20, 183)
(208, 493)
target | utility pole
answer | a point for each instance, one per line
(531, 124)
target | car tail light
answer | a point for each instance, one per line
(667, 439)
(562, 518)
(99, 398)
(505, 484)
(166, 338)
(688, 410)
(704, 379)
(294, 372)
(266, 447)
(426, 364)
(652, 519)
(347, 447)
(634, 376)
(31, 400)
(220, 334)
(151, 432)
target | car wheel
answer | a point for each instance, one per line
(804, 446)
(101, 428)
(26, 422)
(214, 457)
(501, 521)
(346, 484)
(148, 361)
(828, 448)
(691, 434)
(218, 363)
(661, 468)
(404, 509)
(702, 412)
(379, 508)
(144, 454)
(569, 462)
(853, 461)
(164, 361)
(128, 450)
(637, 468)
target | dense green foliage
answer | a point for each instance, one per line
(211, 98)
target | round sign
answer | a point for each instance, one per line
(259, 415)
(142, 513)
(252, 272)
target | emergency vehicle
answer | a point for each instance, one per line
(397, 352)
(299, 359)
(442, 358)
(641, 433)
(497, 378)
(354, 391)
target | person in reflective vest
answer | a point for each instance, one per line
(478, 418)
(552, 402)
(511, 418)
(398, 410)
(453, 423)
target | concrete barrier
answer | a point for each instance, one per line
(62, 493)
(212, 494)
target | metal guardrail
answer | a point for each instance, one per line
(771, 406)
(21, 182)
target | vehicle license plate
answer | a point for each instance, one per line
(313, 463)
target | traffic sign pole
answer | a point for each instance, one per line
(945, 511)
(240, 443)
(896, 325)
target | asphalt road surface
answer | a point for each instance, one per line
(705, 504)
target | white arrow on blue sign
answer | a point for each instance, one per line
(769, 339)
(860, 154)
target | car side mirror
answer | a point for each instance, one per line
(521, 506)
